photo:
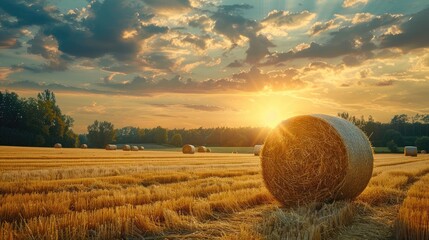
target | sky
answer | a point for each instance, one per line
(210, 63)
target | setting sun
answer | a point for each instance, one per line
(271, 117)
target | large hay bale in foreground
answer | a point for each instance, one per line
(58, 145)
(111, 147)
(410, 151)
(316, 158)
(202, 149)
(257, 150)
(188, 149)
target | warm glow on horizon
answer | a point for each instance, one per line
(271, 117)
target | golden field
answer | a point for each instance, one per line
(97, 194)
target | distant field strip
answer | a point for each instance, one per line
(99, 194)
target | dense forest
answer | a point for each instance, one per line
(39, 122)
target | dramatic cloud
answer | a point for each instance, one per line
(362, 17)
(202, 22)
(235, 27)
(6, 71)
(26, 12)
(352, 3)
(30, 85)
(258, 48)
(320, 27)
(285, 19)
(47, 47)
(169, 6)
(357, 39)
(235, 64)
(113, 27)
(250, 81)
(9, 38)
(413, 34)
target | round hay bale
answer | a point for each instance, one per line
(410, 151)
(126, 148)
(58, 145)
(141, 148)
(423, 152)
(134, 148)
(316, 158)
(202, 149)
(257, 150)
(208, 150)
(84, 146)
(111, 147)
(188, 149)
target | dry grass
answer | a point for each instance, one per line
(413, 219)
(98, 194)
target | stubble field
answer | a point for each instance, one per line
(97, 194)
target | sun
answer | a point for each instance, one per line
(271, 118)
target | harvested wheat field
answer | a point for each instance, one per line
(48, 193)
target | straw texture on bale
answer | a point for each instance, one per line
(410, 151)
(202, 149)
(84, 146)
(257, 150)
(111, 147)
(188, 149)
(58, 145)
(316, 158)
(126, 148)
(134, 148)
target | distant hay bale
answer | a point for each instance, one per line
(141, 148)
(202, 149)
(188, 149)
(316, 158)
(111, 147)
(126, 148)
(410, 151)
(423, 152)
(84, 146)
(134, 148)
(257, 150)
(208, 150)
(58, 145)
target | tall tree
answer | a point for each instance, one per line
(160, 135)
(176, 140)
(100, 134)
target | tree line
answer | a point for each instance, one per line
(102, 133)
(402, 130)
(40, 122)
(34, 121)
